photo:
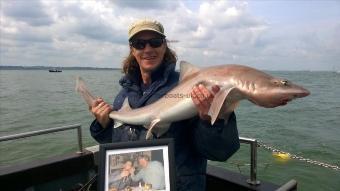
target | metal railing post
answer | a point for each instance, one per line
(80, 140)
(253, 159)
(253, 163)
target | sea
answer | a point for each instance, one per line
(309, 127)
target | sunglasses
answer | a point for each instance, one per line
(141, 43)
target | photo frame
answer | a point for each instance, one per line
(137, 166)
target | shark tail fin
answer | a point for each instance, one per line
(83, 91)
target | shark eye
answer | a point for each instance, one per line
(284, 82)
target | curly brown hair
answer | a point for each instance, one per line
(130, 65)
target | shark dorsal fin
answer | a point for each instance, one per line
(126, 105)
(186, 69)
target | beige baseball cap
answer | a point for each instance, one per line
(146, 25)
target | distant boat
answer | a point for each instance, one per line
(54, 70)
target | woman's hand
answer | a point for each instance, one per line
(124, 173)
(203, 98)
(101, 110)
(132, 170)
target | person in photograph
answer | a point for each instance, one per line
(149, 73)
(151, 172)
(121, 178)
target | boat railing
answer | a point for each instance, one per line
(47, 131)
(253, 159)
(250, 141)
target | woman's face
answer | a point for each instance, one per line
(148, 58)
(127, 165)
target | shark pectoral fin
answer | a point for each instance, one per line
(223, 103)
(151, 127)
(117, 124)
(187, 69)
(227, 109)
(161, 129)
(217, 104)
(126, 105)
(148, 134)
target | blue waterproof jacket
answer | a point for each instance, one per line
(195, 140)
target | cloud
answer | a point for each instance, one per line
(222, 32)
(144, 5)
(94, 33)
(31, 12)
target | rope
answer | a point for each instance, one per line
(300, 158)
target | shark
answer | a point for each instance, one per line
(236, 83)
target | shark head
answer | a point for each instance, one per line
(275, 92)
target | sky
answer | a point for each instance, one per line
(267, 34)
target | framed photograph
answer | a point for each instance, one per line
(137, 166)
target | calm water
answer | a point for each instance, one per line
(309, 127)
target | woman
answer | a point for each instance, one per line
(150, 74)
(121, 179)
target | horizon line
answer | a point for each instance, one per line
(109, 68)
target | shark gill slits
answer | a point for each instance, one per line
(253, 86)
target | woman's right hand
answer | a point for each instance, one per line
(124, 173)
(101, 110)
(132, 170)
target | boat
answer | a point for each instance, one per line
(54, 70)
(78, 170)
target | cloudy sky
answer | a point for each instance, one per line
(273, 35)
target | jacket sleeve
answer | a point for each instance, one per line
(219, 141)
(108, 134)
(100, 134)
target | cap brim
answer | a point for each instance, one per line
(146, 29)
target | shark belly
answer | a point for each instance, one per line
(133, 117)
(181, 110)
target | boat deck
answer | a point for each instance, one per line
(72, 171)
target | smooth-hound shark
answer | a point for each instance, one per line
(236, 83)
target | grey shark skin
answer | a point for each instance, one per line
(236, 83)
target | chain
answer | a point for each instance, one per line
(300, 158)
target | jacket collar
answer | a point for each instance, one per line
(161, 75)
